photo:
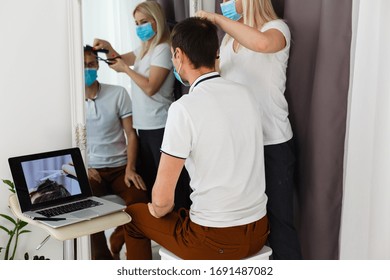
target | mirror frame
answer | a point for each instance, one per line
(76, 74)
(78, 121)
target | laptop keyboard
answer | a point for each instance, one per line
(69, 208)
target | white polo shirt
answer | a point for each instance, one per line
(265, 75)
(217, 129)
(150, 112)
(106, 142)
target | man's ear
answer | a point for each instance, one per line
(179, 54)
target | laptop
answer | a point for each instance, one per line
(53, 188)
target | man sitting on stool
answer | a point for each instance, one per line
(216, 131)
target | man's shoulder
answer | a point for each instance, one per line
(114, 94)
(232, 86)
(220, 85)
(112, 89)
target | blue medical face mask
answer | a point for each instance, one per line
(177, 75)
(229, 10)
(145, 31)
(90, 75)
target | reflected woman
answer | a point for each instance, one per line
(151, 82)
(152, 85)
(255, 52)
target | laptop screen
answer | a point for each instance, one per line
(50, 178)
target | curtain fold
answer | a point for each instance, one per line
(175, 10)
(317, 92)
(168, 8)
(278, 7)
(365, 228)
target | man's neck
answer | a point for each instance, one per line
(92, 90)
(196, 73)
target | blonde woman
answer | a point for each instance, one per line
(255, 52)
(152, 83)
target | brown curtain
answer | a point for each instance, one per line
(175, 10)
(317, 90)
(279, 7)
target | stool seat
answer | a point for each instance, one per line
(263, 254)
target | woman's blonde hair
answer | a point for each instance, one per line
(255, 13)
(153, 10)
(258, 12)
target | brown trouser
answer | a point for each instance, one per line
(113, 183)
(178, 234)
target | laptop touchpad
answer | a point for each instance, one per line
(85, 214)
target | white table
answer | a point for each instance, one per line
(68, 234)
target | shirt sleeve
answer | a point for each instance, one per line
(124, 104)
(281, 26)
(178, 134)
(161, 56)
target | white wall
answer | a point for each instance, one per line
(35, 86)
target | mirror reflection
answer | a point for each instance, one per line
(129, 87)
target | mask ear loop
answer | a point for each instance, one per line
(178, 71)
(181, 63)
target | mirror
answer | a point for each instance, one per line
(112, 21)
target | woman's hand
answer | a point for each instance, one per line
(119, 65)
(206, 15)
(103, 44)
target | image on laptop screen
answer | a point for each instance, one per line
(50, 178)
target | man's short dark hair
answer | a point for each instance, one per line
(88, 50)
(198, 39)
